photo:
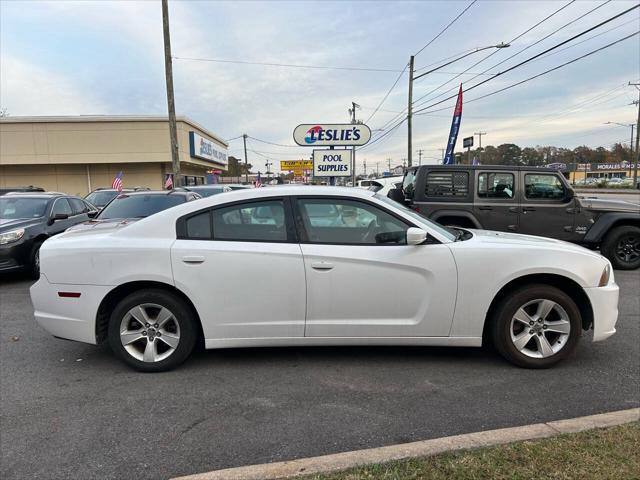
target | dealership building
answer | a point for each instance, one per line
(77, 154)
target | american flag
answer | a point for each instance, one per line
(258, 181)
(168, 183)
(117, 182)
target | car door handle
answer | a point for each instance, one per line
(513, 209)
(486, 207)
(528, 209)
(193, 259)
(322, 265)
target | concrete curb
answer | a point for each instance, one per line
(345, 460)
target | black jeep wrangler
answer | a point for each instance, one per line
(534, 201)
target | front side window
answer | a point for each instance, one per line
(447, 184)
(254, 221)
(495, 185)
(78, 206)
(61, 206)
(338, 221)
(409, 183)
(543, 187)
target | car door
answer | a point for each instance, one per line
(363, 280)
(496, 205)
(60, 206)
(242, 267)
(546, 208)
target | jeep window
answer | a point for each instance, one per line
(409, 183)
(544, 187)
(447, 184)
(495, 185)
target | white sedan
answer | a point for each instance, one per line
(263, 267)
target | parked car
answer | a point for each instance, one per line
(535, 201)
(101, 196)
(132, 206)
(28, 219)
(208, 190)
(384, 184)
(30, 188)
(237, 186)
(215, 272)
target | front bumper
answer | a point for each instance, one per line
(604, 302)
(64, 317)
(15, 256)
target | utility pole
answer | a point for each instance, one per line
(480, 134)
(389, 163)
(410, 109)
(246, 165)
(365, 167)
(352, 111)
(442, 150)
(168, 72)
(420, 156)
(377, 169)
(635, 166)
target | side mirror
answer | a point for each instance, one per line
(58, 216)
(570, 194)
(396, 195)
(92, 213)
(416, 236)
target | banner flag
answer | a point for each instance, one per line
(449, 158)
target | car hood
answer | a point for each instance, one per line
(601, 204)
(101, 226)
(517, 239)
(7, 224)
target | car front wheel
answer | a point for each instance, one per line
(621, 246)
(536, 326)
(152, 330)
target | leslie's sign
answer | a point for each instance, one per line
(324, 135)
(200, 147)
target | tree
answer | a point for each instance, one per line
(236, 168)
(489, 155)
(531, 157)
(509, 154)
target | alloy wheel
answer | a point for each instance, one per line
(540, 328)
(628, 248)
(149, 332)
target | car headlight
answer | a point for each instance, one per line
(12, 236)
(606, 275)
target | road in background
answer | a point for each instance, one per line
(628, 197)
(71, 410)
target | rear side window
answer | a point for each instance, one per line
(251, 222)
(447, 184)
(495, 185)
(199, 226)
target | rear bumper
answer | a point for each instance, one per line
(67, 317)
(604, 301)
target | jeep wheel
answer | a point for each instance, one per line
(622, 247)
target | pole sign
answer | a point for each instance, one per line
(331, 135)
(467, 142)
(298, 167)
(332, 163)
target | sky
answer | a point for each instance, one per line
(107, 58)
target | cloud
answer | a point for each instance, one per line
(27, 89)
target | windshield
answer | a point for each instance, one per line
(100, 199)
(139, 206)
(207, 191)
(13, 207)
(419, 218)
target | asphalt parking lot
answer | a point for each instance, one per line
(71, 410)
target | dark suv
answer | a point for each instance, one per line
(28, 219)
(535, 201)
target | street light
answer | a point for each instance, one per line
(412, 78)
(632, 125)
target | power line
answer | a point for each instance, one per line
(387, 94)
(445, 28)
(288, 65)
(272, 143)
(534, 57)
(495, 51)
(552, 69)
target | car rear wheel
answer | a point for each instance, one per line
(152, 330)
(536, 326)
(622, 247)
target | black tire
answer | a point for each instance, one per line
(184, 319)
(501, 326)
(621, 246)
(34, 261)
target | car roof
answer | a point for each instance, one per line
(484, 167)
(44, 195)
(135, 193)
